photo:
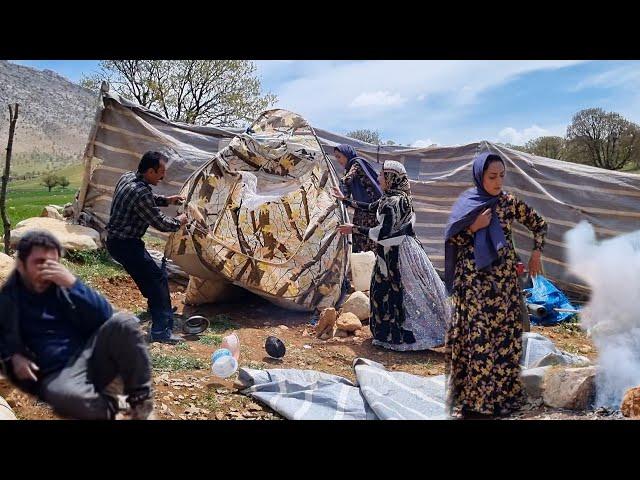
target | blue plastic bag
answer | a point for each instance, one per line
(545, 293)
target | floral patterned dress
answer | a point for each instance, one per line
(362, 217)
(484, 339)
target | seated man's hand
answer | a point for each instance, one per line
(24, 368)
(57, 273)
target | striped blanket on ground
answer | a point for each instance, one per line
(378, 394)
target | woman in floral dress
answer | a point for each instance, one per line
(484, 339)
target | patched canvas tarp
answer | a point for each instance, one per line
(564, 193)
(263, 217)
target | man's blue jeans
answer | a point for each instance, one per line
(150, 279)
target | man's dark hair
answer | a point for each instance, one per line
(37, 238)
(151, 160)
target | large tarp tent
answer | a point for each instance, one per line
(262, 216)
(564, 193)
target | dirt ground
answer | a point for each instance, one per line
(185, 388)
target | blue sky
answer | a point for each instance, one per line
(443, 102)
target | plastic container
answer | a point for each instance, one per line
(223, 363)
(362, 265)
(232, 343)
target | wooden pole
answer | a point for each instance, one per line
(13, 118)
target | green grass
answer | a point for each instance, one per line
(183, 347)
(256, 365)
(210, 339)
(209, 401)
(93, 264)
(221, 323)
(173, 363)
(26, 199)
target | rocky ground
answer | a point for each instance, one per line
(186, 388)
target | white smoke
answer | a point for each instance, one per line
(612, 318)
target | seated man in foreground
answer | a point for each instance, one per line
(60, 339)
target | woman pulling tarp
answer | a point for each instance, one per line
(409, 305)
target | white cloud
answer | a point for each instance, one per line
(322, 90)
(423, 143)
(377, 99)
(520, 137)
(628, 75)
(385, 95)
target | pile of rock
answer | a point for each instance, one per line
(555, 378)
(347, 322)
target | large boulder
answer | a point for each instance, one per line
(71, 237)
(540, 351)
(533, 381)
(359, 304)
(569, 388)
(348, 322)
(630, 406)
(201, 291)
(51, 212)
(6, 266)
(6, 413)
(362, 269)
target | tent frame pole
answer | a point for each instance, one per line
(87, 158)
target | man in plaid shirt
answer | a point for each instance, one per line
(133, 209)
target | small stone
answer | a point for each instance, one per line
(630, 406)
(326, 323)
(219, 416)
(283, 327)
(348, 322)
(364, 332)
(306, 347)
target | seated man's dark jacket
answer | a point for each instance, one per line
(50, 329)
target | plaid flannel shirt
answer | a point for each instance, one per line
(134, 208)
